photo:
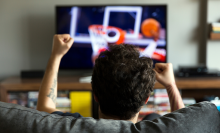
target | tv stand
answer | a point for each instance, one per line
(190, 87)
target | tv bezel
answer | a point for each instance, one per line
(162, 5)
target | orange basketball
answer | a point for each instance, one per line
(149, 25)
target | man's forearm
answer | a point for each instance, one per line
(175, 99)
(48, 90)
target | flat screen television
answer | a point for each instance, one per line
(94, 28)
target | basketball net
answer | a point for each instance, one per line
(100, 38)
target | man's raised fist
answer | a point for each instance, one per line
(61, 44)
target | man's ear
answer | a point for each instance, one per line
(96, 99)
(147, 100)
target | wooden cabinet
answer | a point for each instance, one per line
(18, 84)
(190, 87)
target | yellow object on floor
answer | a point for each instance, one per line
(81, 102)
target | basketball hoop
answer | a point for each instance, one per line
(102, 35)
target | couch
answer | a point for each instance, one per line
(198, 118)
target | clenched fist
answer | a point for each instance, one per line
(61, 44)
(164, 74)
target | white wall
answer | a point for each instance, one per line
(213, 47)
(27, 27)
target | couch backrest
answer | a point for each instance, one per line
(199, 118)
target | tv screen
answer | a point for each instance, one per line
(94, 28)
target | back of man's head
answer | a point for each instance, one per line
(122, 81)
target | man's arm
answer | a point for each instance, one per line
(48, 90)
(165, 76)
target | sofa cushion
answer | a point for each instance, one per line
(198, 118)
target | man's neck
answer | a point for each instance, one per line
(103, 116)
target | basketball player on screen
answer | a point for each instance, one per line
(151, 29)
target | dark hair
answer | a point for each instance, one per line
(122, 81)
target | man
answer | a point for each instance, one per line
(121, 81)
